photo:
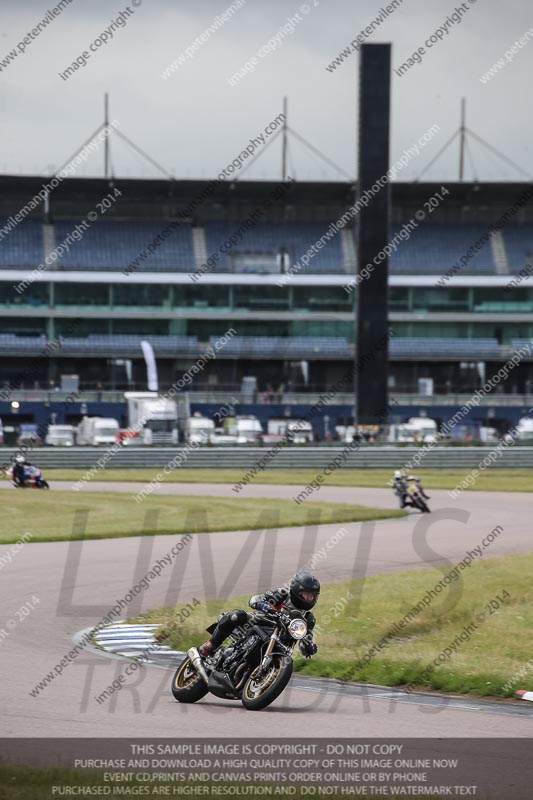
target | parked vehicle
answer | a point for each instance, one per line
(346, 433)
(247, 429)
(219, 437)
(28, 435)
(416, 429)
(60, 436)
(128, 438)
(156, 418)
(96, 431)
(524, 429)
(199, 429)
(488, 435)
(295, 431)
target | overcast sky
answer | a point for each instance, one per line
(194, 122)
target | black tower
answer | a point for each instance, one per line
(371, 368)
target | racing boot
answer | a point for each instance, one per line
(207, 649)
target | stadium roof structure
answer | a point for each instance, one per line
(309, 201)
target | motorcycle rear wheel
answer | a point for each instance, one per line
(260, 691)
(187, 685)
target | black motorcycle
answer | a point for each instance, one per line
(255, 668)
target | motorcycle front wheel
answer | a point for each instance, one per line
(422, 505)
(187, 685)
(417, 502)
(261, 690)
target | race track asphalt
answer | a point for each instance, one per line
(78, 583)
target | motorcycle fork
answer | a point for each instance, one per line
(267, 658)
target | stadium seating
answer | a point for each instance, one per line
(296, 347)
(443, 348)
(517, 344)
(123, 343)
(23, 246)
(101, 345)
(433, 249)
(268, 239)
(115, 245)
(338, 347)
(293, 347)
(22, 344)
(519, 245)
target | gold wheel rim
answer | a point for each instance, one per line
(253, 688)
(185, 675)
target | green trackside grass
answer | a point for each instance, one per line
(502, 480)
(49, 516)
(482, 665)
(29, 783)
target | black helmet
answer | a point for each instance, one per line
(304, 589)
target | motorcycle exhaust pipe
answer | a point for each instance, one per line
(196, 660)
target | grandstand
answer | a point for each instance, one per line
(117, 287)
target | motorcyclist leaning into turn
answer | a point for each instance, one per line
(301, 593)
(400, 484)
(19, 465)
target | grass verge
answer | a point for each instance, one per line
(490, 662)
(50, 516)
(501, 480)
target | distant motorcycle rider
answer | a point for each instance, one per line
(301, 593)
(400, 485)
(19, 466)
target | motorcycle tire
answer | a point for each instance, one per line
(45, 485)
(276, 679)
(421, 505)
(187, 685)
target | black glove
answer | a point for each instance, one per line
(308, 649)
(266, 607)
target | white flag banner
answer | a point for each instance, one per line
(151, 367)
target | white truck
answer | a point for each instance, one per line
(295, 431)
(416, 429)
(96, 431)
(488, 435)
(156, 418)
(346, 433)
(60, 436)
(199, 429)
(524, 429)
(245, 429)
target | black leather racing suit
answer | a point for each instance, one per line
(279, 599)
(18, 471)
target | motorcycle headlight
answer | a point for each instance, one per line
(297, 628)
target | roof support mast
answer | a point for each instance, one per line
(106, 127)
(463, 140)
(284, 148)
